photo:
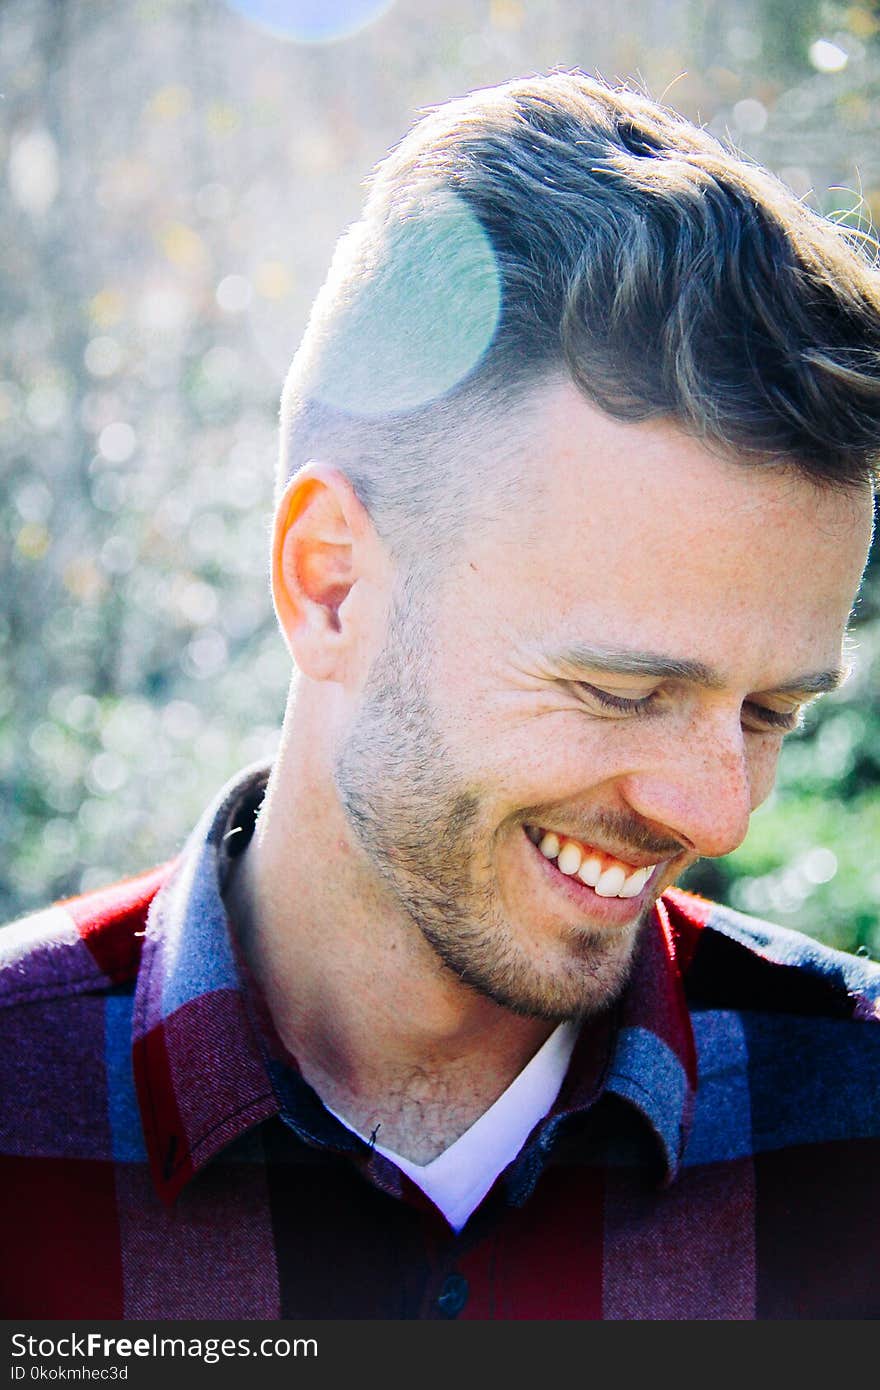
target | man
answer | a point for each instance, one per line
(575, 494)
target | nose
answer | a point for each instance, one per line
(703, 786)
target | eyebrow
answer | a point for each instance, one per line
(624, 662)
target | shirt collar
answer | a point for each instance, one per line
(641, 1051)
(199, 1069)
(653, 1064)
(205, 1076)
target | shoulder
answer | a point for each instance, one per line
(787, 1042)
(731, 960)
(67, 1097)
(82, 945)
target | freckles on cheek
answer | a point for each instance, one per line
(560, 765)
(517, 768)
(764, 767)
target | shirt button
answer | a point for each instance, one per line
(453, 1296)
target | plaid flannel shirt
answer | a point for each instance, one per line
(714, 1151)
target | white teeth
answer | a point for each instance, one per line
(569, 860)
(611, 881)
(636, 882)
(591, 870)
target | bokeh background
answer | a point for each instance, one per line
(175, 174)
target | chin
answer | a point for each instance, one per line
(589, 972)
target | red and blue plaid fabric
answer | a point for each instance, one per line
(714, 1151)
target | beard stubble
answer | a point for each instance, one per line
(419, 824)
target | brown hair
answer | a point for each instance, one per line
(553, 225)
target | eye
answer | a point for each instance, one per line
(756, 718)
(617, 704)
(770, 721)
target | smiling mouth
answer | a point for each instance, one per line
(606, 875)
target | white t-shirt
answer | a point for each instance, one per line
(458, 1179)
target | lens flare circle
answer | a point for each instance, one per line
(311, 21)
(419, 319)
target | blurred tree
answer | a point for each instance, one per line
(176, 181)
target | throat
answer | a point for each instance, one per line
(419, 1121)
(422, 1119)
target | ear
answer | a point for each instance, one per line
(322, 543)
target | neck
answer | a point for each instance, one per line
(380, 1028)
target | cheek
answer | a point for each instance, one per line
(763, 764)
(542, 760)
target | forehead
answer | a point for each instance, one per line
(636, 533)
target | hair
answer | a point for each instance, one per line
(554, 226)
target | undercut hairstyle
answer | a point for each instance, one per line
(556, 228)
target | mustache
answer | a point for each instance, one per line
(623, 831)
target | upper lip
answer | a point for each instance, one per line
(633, 860)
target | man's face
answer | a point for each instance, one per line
(607, 666)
